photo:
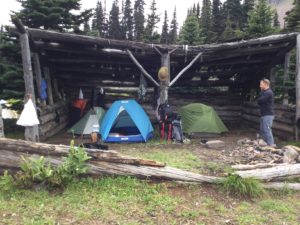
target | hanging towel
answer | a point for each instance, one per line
(28, 116)
(80, 94)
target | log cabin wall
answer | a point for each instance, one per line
(284, 122)
(53, 118)
(227, 105)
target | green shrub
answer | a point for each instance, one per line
(38, 172)
(245, 187)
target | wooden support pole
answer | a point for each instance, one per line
(55, 87)
(272, 78)
(164, 85)
(38, 73)
(286, 77)
(31, 133)
(141, 68)
(297, 81)
(185, 68)
(1, 123)
(49, 85)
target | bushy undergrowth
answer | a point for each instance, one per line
(244, 187)
(38, 172)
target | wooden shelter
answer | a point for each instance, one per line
(70, 61)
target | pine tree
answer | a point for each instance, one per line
(293, 17)
(232, 10)
(260, 21)
(99, 20)
(128, 20)
(173, 29)
(152, 22)
(56, 14)
(11, 76)
(248, 6)
(276, 23)
(198, 12)
(205, 20)
(164, 39)
(190, 31)
(114, 28)
(139, 20)
(216, 19)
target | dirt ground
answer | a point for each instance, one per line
(205, 154)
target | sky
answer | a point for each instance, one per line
(6, 6)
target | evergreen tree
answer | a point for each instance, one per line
(11, 76)
(276, 23)
(232, 10)
(56, 14)
(99, 20)
(114, 28)
(152, 21)
(205, 20)
(228, 33)
(216, 19)
(164, 39)
(198, 12)
(260, 21)
(173, 29)
(128, 20)
(190, 31)
(293, 17)
(248, 6)
(139, 20)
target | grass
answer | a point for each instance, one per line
(124, 200)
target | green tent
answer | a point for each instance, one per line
(85, 125)
(200, 118)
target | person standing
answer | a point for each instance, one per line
(266, 104)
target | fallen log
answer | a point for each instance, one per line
(255, 166)
(282, 186)
(275, 172)
(102, 162)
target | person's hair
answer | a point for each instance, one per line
(266, 81)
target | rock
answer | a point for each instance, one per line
(215, 144)
(289, 155)
(261, 143)
(297, 149)
(243, 141)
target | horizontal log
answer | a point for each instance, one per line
(276, 125)
(49, 126)
(282, 186)
(102, 163)
(52, 115)
(279, 171)
(43, 110)
(288, 108)
(255, 166)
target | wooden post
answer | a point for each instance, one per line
(49, 85)
(272, 78)
(55, 87)
(31, 133)
(1, 123)
(285, 100)
(297, 81)
(38, 74)
(164, 85)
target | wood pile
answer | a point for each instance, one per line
(255, 152)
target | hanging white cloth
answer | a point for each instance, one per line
(80, 94)
(28, 116)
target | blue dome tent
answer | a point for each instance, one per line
(126, 121)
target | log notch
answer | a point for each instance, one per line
(297, 85)
(31, 133)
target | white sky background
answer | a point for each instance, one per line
(6, 6)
